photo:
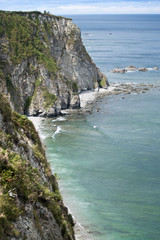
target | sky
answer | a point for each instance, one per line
(64, 7)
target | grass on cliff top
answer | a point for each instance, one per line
(25, 40)
(36, 13)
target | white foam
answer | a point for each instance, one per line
(59, 119)
(129, 71)
(58, 130)
(37, 121)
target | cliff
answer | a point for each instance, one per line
(43, 63)
(31, 206)
(43, 68)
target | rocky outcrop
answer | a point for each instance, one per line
(43, 63)
(142, 69)
(118, 70)
(31, 206)
(132, 68)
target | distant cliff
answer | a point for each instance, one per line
(43, 63)
(31, 206)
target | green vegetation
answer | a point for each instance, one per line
(24, 126)
(71, 38)
(2, 77)
(75, 87)
(48, 27)
(49, 99)
(24, 39)
(9, 85)
(20, 180)
(37, 223)
(2, 62)
(41, 90)
(71, 85)
(5, 108)
(27, 104)
(102, 83)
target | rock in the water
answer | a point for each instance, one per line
(119, 70)
(131, 68)
(142, 69)
(155, 68)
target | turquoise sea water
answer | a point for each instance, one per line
(109, 161)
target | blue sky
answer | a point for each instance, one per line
(63, 7)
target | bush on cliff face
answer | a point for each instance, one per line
(20, 181)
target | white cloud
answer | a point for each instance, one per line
(104, 7)
(110, 8)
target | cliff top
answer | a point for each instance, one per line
(37, 13)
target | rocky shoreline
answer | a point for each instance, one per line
(88, 99)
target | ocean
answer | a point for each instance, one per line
(108, 162)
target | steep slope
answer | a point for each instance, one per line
(43, 63)
(31, 206)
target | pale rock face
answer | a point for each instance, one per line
(38, 223)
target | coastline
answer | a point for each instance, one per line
(88, 100)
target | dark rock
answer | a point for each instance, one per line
(142, 69)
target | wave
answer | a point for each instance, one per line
(59, 119)
(58, 130)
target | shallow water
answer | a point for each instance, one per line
(108, 162)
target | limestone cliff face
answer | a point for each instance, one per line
(43, 63)
(31, 206)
